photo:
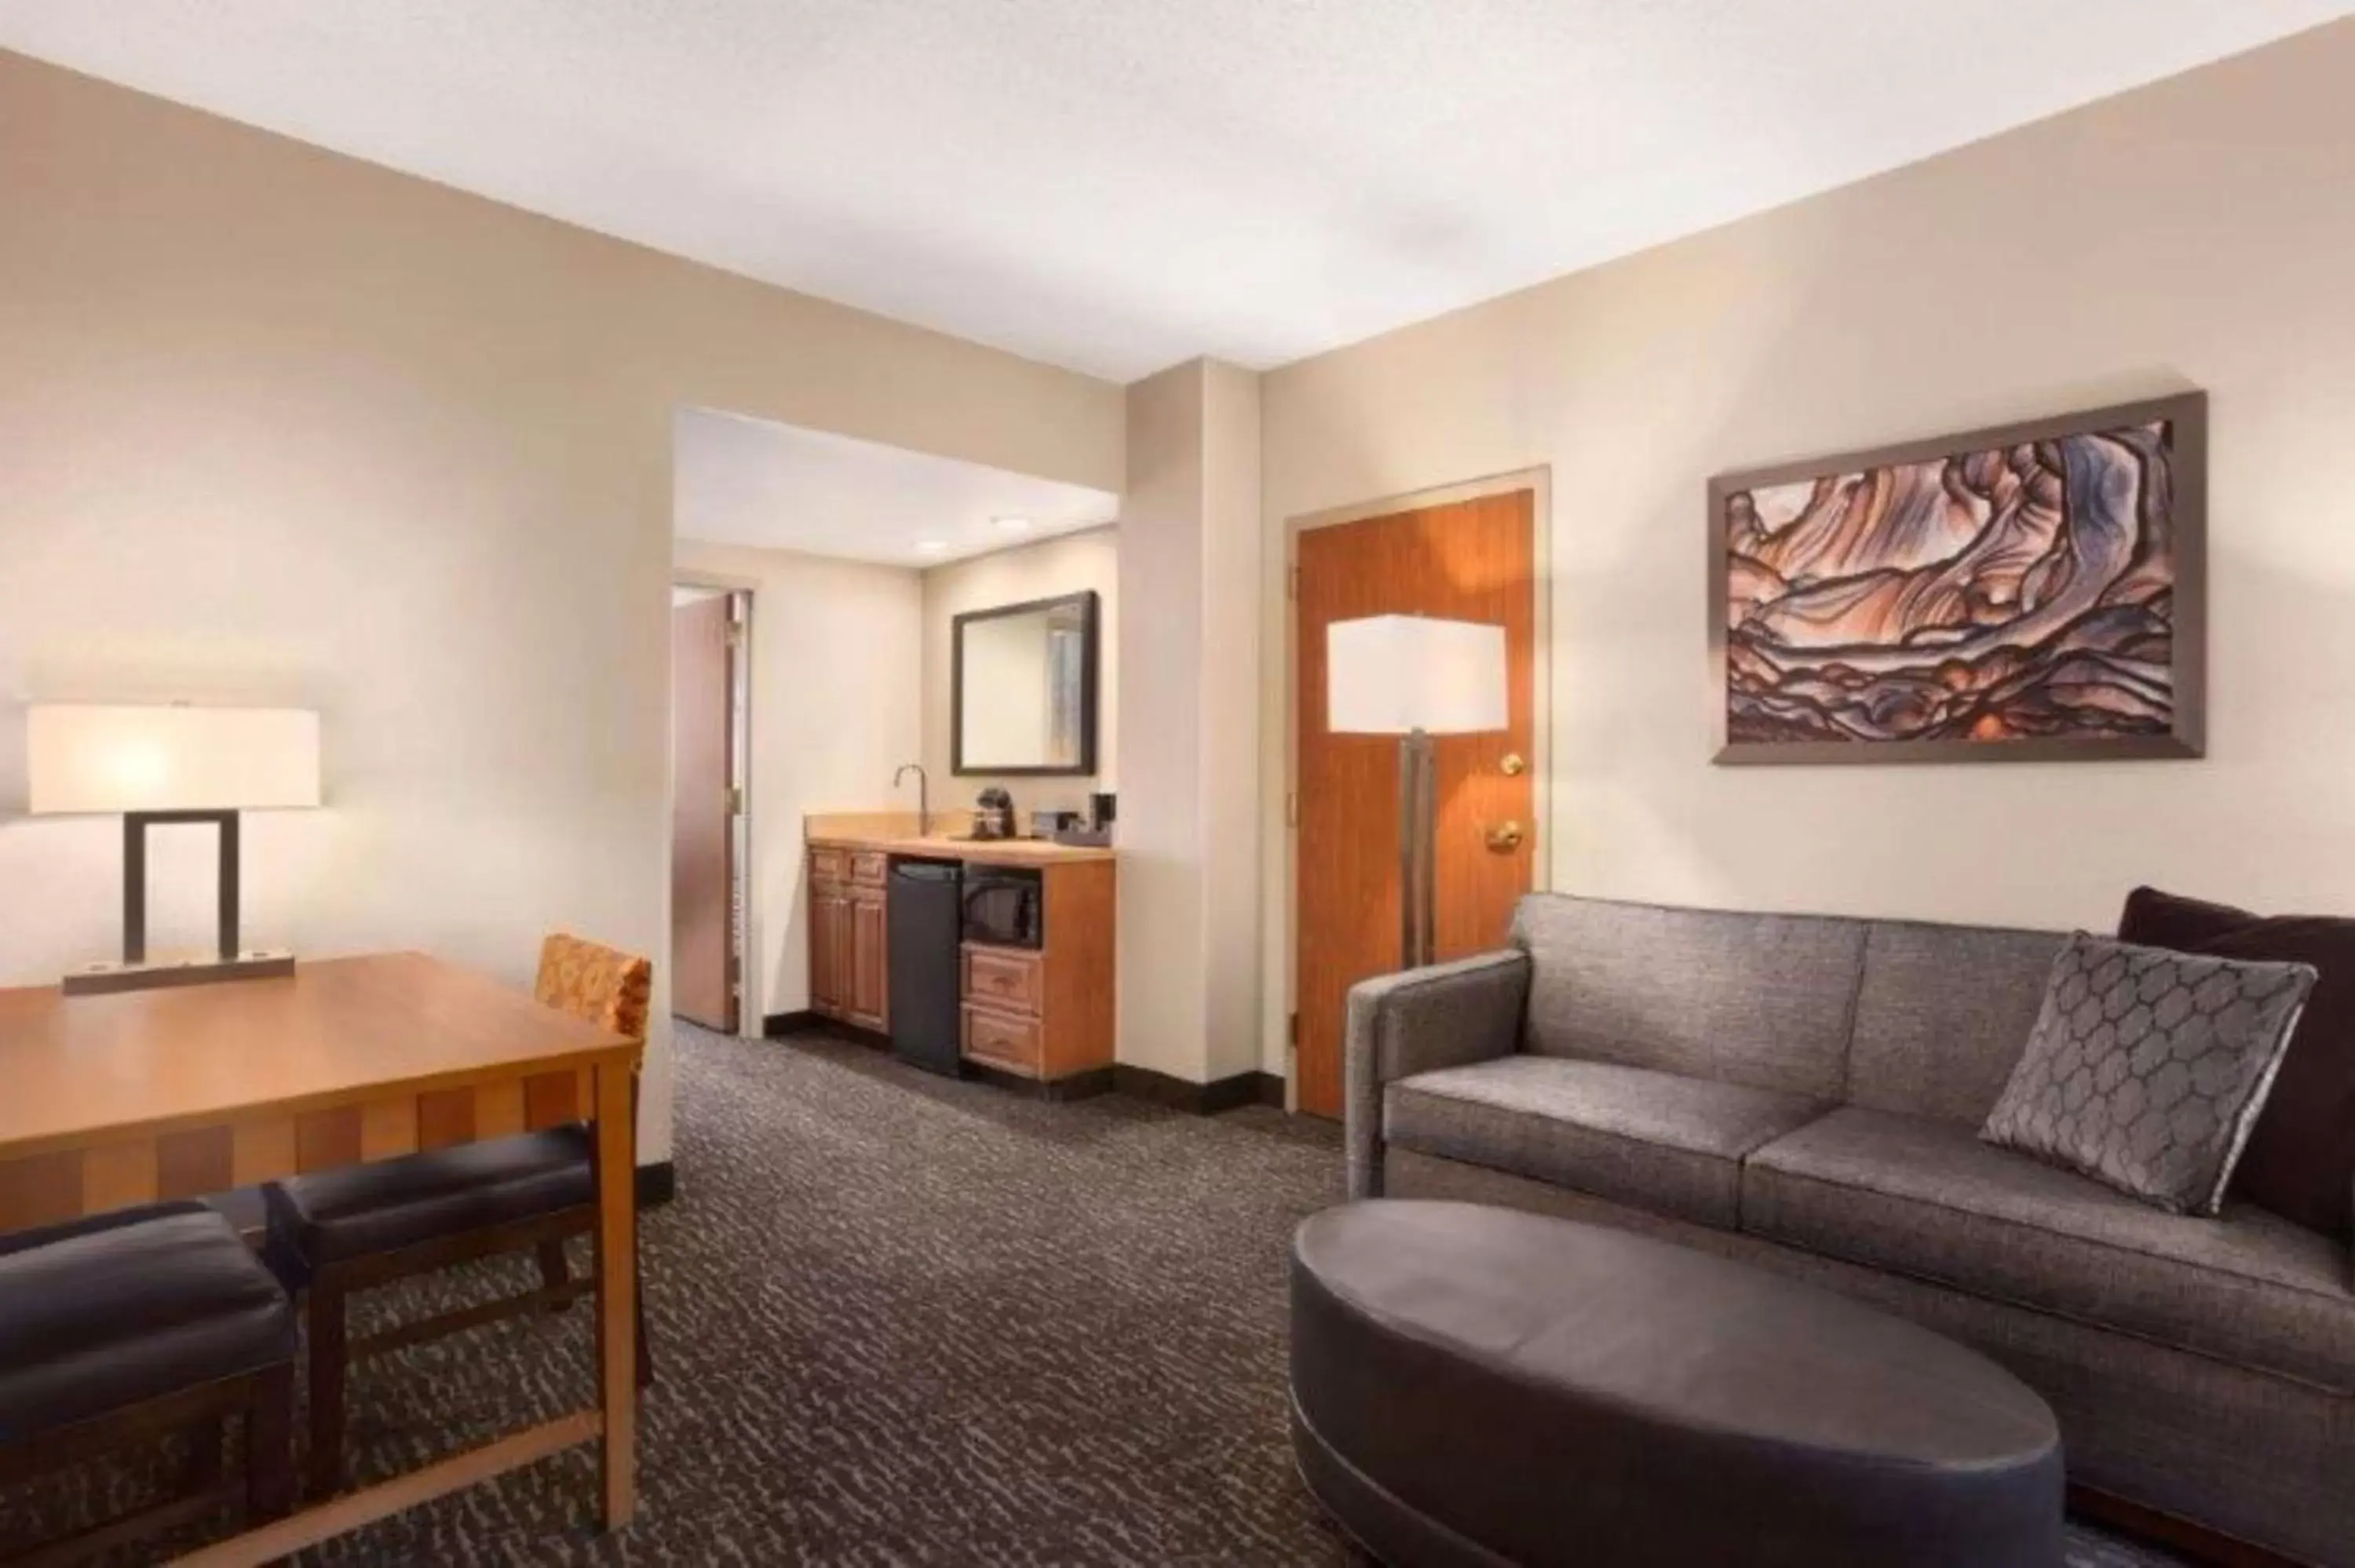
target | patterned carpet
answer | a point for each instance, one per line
(899, 1321)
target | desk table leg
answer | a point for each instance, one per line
(617, 1378)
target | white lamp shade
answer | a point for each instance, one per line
(120, 759)
(1392, 675)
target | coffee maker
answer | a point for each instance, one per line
(993, 814)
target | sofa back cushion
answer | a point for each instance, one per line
(2301, 1161)
(1759, 1000)
(1944, 1014)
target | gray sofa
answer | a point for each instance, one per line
(1806, 1093)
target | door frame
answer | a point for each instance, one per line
(740, 593)
(1539, 481)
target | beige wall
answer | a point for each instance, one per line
(1162, 1009)
(834, 666)
(2197, 233)
(281, 427)
(1190, 973)
(1229, 718)
(1070, 563)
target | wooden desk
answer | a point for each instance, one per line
(112, 1100)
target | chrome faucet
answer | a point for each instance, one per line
(924, 794)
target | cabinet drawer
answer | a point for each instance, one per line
(868, 867)
(1006, 979)
(829, 866)
(1004, 1041)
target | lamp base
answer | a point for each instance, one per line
(99, 979)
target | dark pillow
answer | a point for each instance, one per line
(2146, 1069)
(2301, 1162)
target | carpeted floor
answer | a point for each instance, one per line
(902, 1321)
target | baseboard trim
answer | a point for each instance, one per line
(657, 1184)
(1077, 1087)
(1226, 1094)
(791, 1025)
(1199, 1100)
(1270, 1088)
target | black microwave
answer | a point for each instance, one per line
(1004, 907)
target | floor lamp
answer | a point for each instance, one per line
(1414, 678)
(159, 765)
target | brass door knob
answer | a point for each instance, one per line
(1513, 764)
(1505, 837)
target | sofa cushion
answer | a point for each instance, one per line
(2301, 1162)
(1927, 1198)
(1667, 1142)
(1942, 1015)
(123, 1307)
(1757, 1000)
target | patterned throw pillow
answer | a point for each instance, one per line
(2146, 1069)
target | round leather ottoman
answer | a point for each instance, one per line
(1480, 1387)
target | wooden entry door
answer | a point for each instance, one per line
(1466, 560)
(702, 836)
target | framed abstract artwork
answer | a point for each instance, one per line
(2033, 593)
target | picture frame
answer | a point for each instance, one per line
(2030, 592)
(1068, 688)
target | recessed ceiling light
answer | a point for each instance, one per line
(1011, 524)
(930, 546)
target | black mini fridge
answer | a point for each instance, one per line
(927, 906)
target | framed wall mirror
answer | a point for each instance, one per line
(1022, 688)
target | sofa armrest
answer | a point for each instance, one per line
(1447, 1015)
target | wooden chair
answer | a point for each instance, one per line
(341, 1231)
(123, 1326)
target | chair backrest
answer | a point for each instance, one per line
(588, 980)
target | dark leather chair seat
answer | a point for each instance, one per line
(1480, 1387)
(393, 1204)
(127, 1306)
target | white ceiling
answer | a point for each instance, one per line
(1119, 184)
(737, 481)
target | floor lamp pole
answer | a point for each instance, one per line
(1418, 890)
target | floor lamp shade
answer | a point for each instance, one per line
(1394, 674)
(120, 760)
(1413, 677)
(172, 765)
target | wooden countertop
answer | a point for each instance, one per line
(978, 851)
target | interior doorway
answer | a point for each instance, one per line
(1471, 552)
(710, 927)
